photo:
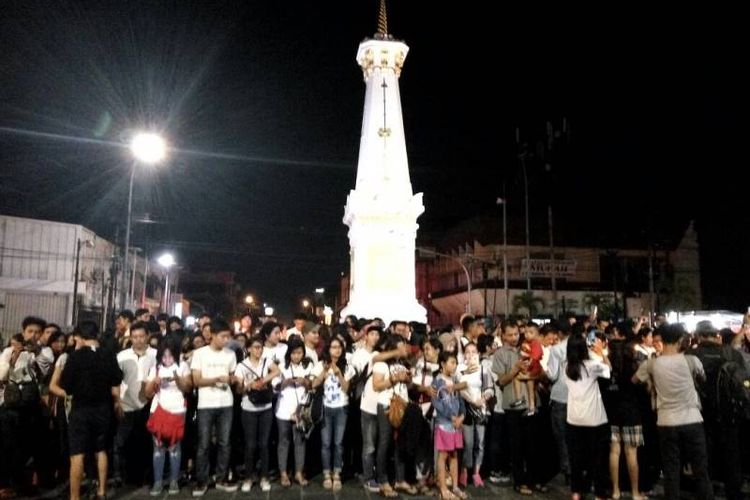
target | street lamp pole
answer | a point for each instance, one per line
(522, 159)
(504, 201)
(125, 298)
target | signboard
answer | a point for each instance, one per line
(543, 268)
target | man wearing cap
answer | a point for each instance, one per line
(722, 432)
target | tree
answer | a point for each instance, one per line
(528, 302)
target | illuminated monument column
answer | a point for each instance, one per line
(382, 210)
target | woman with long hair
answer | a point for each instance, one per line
(588, 431)
(334, 374)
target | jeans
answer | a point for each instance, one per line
(332, 433)
(286, 427)
(369, 436)
(589, 453)
(257, 427)
(221, 420)
(385, 443)
(688, 442)
(724, 456)
(175, 456)
(558, 418)
(473, 446)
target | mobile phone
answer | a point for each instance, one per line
(596, 310)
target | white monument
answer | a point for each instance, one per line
(382, 210)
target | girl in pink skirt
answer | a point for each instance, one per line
(448, 420)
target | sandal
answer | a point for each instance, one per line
(327, 483)
(425, 491)
(300, 479)
(336, 482)
(285, 480)
(387, 491)
(523, 490)
(541, 488)
(406, 488)
(446, 495)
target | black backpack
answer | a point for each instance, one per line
(732, 390)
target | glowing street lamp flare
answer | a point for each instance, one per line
(148, 148)
(249, 299)
(305, 303)
(166, 260)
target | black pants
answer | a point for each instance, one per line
(497, 457)
(257, 426)
(17, 434)
(588, 449)
(688, 442)
(523, 447)
(131, 460)
(724, 458)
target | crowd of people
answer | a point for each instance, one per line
(617, 407)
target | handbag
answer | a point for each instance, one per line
(396, 410)
(260, 397)
(21, 393)
(477, 414)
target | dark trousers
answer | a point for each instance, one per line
(589, 455)
(257, 427)
(523, 447)
(688, 442)
(386, 444)
(132, 442)
(724, 458)
(558, 420)
(16, 436)
(497, 458)
(208, 420)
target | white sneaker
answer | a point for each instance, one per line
(247, 486)
(265, 485)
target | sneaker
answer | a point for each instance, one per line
(265, 485)
(200, 490)
(463, 478)
(518, 402)
(372, 486)
(156, 489)
(174, 488)
(477, 480)
(247, 485)
(226, 486)
(500, 478)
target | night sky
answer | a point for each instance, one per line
(263, 103)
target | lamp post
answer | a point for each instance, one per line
(149, 149)
(79, 244)
(166, 261)
(504, 202)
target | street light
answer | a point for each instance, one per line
(149, 149)
(504, 202)
(79, 244)
(166, 261)
(268, 311)
(249, 300)
(305, 303)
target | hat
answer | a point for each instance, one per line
(706, 329)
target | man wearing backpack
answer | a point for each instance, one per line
(721, 398)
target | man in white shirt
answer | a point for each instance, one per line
(135, 363)
(300, 319)
(312, 338)
(368, 405)
(273, 350)
(212, 367)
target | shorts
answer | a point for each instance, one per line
(448, 440)
(628, 435)
(88, 429)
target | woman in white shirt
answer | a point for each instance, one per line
(334, 373)
(479, 390)
(296, 379)
(167, 383)
(254, 376)
(588, 432)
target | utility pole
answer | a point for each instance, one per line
(522, 159)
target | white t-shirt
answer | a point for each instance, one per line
(275, 354)
(169, 396)
(249, 372)
(312, 354)
(424, 376)
(134, 368)
(362, 360)
(401, 389)
(585, 405)
(291, 396)
(473, 382)
(212, 363)
(677, 401)
(333, 395)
